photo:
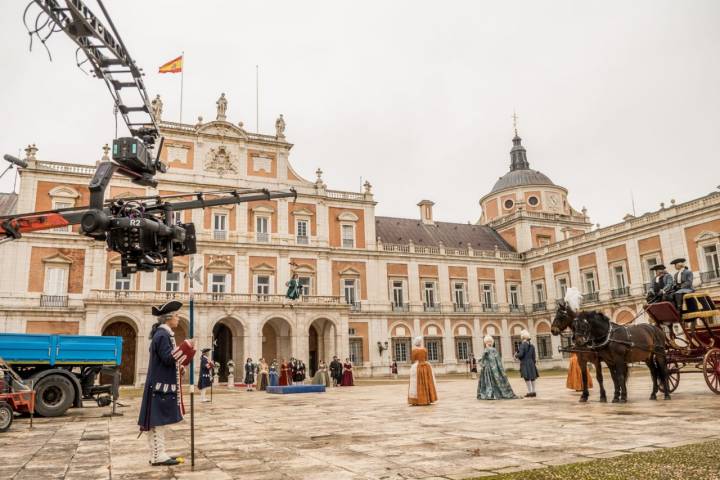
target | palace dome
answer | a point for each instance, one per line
(520, 173)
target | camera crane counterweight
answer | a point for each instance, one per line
(141, 229)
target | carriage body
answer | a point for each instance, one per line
(692, 338)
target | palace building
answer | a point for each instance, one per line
(370, 283)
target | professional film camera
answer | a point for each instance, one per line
(140, 229)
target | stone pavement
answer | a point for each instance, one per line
(367, 432)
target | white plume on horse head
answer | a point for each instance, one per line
(573, 298)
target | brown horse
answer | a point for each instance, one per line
(563, 320)
(618, 345)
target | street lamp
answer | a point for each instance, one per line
(382, 347)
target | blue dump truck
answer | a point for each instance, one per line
(63, 369)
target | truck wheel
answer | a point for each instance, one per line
(6, 416)
(53, 396)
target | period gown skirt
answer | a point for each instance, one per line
(263, 381)
(274, 378)
(422, 389)
(493, 383)
(574, 378)
(321, 377)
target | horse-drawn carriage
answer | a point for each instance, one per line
(692, 340)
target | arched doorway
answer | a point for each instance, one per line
(276, 340)
(322, 342)
(227, 342)
(123, 328)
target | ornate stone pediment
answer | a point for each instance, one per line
(221, 160)
(219, 262)
(222, 129)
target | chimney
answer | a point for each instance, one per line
(426, 212)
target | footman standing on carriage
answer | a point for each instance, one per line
(662, 284)
(162, 396)
(683, 281)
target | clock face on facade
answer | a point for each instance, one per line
(554, 201)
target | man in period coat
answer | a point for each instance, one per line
(336, 370)
(206, 374)
(683, 281)
(162, 395)
(662, 284)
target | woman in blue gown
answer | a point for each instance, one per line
(274, 374)
(493, 383)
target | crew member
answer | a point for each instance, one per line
(207, 368)
(162, 395)
(683, 281)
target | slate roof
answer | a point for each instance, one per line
(457, 235)
(8, 202)
(518, 178)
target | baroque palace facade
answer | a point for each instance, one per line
(371, 283)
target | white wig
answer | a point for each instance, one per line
(573, 298)
(525, 335)
(488, 339)
(418, 341)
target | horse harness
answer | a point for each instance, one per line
(591, 346)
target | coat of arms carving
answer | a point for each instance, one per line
(221, 160)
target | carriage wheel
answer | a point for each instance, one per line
(711, 369)
(673, 377)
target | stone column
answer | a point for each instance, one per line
(604, 281)
(414, 284)
(417, 329)
(477, 336)
(444, 285)
(449, 357)
(507, 350)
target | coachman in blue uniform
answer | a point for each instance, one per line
(162, 395)
(207, 368)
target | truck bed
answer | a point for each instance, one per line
(25, 348)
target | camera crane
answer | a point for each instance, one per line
(141, 229)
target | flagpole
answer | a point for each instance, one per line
(182, 78)
(257, 99)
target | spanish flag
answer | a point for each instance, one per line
(173, 66)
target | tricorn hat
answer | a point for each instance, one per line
(659, 266)
(206, 350)
(169, 307)
(677, 260)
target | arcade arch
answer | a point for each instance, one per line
(126, 328)
(228, 341)
(276, 339)
(322, 342)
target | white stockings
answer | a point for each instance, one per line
(530, 386)
(156, 438)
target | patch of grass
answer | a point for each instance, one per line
(700, 461)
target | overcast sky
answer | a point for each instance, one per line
(417, 97)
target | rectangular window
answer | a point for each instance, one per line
(459, 293)
(57, 205)
(122, 282)
(217, 283)
(301, 230)
(566, 342)
(487, 295)
(539, 292)
(648, 273)
(434, 349)
(261, 229)
(401, 349)
(562, 286)
(619, 274)
(176, 217)
(220, 226)
(305, 285)
(348, 236)
(429, 293)
(398, 293)
(350, 291)
(262, 284)
(172, 282)
(463, 348)
(356, 351)
(56, 281)
(514, 295)
(544, 345)
(712, 261)
(590, 286)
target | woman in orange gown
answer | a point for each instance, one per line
(422, 389)
(574, 378)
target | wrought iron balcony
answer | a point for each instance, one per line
(431, 307)
(355, 306)
(516, 308)
(461, 307)
(539, 307)
(151, 296)
(490, 307)
(591, 297)
(53, 300)
(620, 292)
(710, 276)
(262, 237)
(220, 234)
(302, 240)
(400, 307)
